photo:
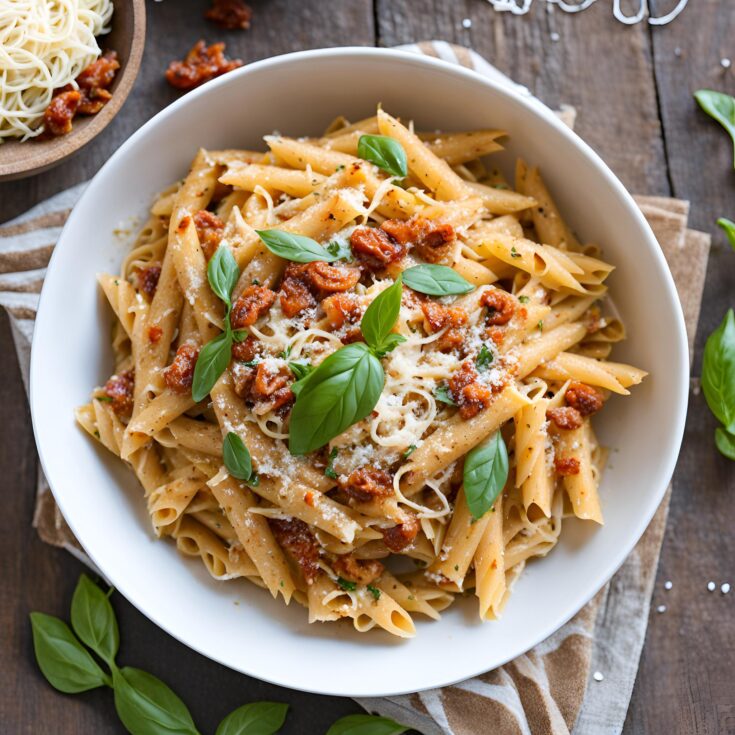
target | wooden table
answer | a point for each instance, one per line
(632, 87)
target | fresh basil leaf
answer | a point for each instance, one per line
(366, 725)
(718, 372)
(147, 706)
(729, 227)
(300, 369)
(485, 474)
(340, 249)
(340, 392)
(380, 317)
(93, 619)
(444, 395)
(211, 363)
(388, 345)
(239, 335)
(256, 718)
(411, 449)
(725, 442)
(436, 280)
(346, 584)
(484, 358)
(223, 273)
(329, 469)
(384, 152)
(720, 107)
(237, 457)
(298, 248)
(63, 660)
(374, 591)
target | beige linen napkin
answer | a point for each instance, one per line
(549, 690)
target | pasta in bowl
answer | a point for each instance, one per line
(360, 370)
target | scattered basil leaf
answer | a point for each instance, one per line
(211, 363)
(345, 584)
(103, 399)
(285, 354)
(63, 660)
(729, 227)
(239, 335)
(484, 358)
(409, 451)
(237, 457)
(444, 395)
(718, 372)
(329, 469)
(514, 253)
(436, 280)
(384, 152)
(223, 273)
(720, 107)
(300, 369)
(485, 474)
(381, 315)
(388, 345)
(341, 391)
(341, 250)
(147, 706)
(366, 725)
(93, 619)
(297, 248)
(256, 718)
(725, 442)
(523, 299)
(374, 591)
(540, 325)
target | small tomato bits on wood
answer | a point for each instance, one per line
(230, 14)
(200, 65)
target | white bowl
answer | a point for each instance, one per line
(298, 94)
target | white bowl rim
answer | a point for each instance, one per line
(533, 107)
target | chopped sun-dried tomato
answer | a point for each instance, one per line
(230, 14)
(439, 316)
(584, 398)
(246, 350)
(332, 278)
(500, 306)
(294, 536)
(471, 396)
(367, 483)
(433, 241)
(201, 64)
(60, 112)
(374, 247)
(399, 537)
(565, 417)
(209, 229)
(341, 309)
(566, 466)
(295, 295)
(179, 375)
(148, 278)
(252, 304)
(362, 571)
(119, 389)
(154, 333)
(94, 82)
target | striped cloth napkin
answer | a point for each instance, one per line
(551, 690)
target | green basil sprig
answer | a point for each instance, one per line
(485, 474)
(729, 227)
(344, 388)
(718, 382)
(720, 107)
(256, 718)
(436, 280)
(237, 458)
(444, 395)
(144, 704)
(384, 152)
(298, 248)
(366, 725)
(215, 356)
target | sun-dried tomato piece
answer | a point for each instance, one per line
(500, 306)
(179, 375)
(242, 379)
(438, 316)
(295, 538)
(397, 538)
(154, 333)
(230, 14)
(94, 82)
(433, 241)
(584, 398)
(268, 380)
(341, 309)
(148, 278)
(119, 389)
(246, 350)
(209, 231)
(367, 483)
(362, 571)
(374, 247)
(252, 304)
(566, 466)
(201, 64)
(332, 278)
(470, 395)
(60, 112)
(295, 292)
(565, 417)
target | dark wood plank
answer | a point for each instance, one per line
(36, 577)
(688, 650)
(616, 104)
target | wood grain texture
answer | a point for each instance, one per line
(633, 95)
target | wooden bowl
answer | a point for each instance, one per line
(127, 37)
